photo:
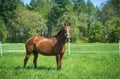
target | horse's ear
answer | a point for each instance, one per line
(65, 24)
(69, 24)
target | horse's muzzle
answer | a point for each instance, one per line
(68, 36)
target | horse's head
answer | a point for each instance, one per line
(67, 30)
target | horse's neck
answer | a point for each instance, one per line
(61, 38)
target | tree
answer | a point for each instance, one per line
(3, 31)
(90, 12)
(116, 5)
(57, 11)
(26, 24)
(82, 24)
(7, 8)
(96, 32)
(107, 12)
(79, 6)
(113, 29)
(86, 13)
(41, 6)
(110, 17)
(114, 36)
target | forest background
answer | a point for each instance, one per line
(19, 21)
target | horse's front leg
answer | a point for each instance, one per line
(58, 60)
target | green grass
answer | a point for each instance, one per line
(76, 66)
(94, 47)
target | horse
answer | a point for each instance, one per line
(54, 46)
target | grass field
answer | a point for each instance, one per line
(102, 65)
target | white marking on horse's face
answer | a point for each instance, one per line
(67, 30)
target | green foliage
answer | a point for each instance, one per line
(27, 23)
(46, 17)
(56, 12)
(6, 9)
(79, 6)
(41, 6)
(3, 31)
(82, 24)
(114, 36)
(97, 32)
(106, 13)
(110, 17)
(113, 29)
(116, 5)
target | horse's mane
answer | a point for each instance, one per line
(58, 32)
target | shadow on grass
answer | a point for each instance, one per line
(45, 68)
(38, 68)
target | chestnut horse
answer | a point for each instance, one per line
(54, 46)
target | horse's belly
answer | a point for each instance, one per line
(45, 52)
(45, 49)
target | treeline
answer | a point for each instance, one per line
(89, 23)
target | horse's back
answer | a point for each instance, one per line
(41, 45)
(31, 42)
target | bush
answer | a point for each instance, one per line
(96, 32)
(114, 36)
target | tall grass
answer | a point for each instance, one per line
(76, 66)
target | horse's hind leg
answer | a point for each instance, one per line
(26, 59)
(35, 59)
